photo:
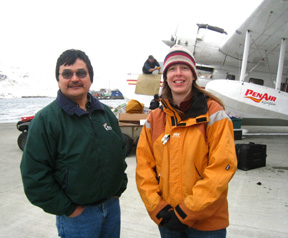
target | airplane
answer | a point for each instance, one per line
(249, 71)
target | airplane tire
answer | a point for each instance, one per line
(21, 141)
(129, 143)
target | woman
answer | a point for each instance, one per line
(186, 155)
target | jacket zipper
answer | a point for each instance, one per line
(90, 119)
(198, 172)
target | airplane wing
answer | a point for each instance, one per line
(268, 24)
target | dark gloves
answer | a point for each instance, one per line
(170, 220)
(164, 213)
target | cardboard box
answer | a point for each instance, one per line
(131, 119)
(148, 84)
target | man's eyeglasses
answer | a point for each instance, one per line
(68, 74)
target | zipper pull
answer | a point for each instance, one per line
(165, 138)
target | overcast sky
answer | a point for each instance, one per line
(117, 35)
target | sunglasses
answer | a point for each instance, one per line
(68, 74)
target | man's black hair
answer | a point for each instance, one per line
(151, 57)
(156, 96)
(69, 57)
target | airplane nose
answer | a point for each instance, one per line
(168, 42)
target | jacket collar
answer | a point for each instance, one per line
(198, 105)
(197, 113)
(70, 107)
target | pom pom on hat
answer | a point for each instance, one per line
(179, 55)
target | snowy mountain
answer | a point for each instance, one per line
(14, 84)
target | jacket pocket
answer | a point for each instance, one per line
(158, 173)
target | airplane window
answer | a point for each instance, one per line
(230, 76)
(205, 72)
(256, 81)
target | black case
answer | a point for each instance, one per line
(251, 156)
(237, 134)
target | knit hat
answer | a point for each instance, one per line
(179, 55)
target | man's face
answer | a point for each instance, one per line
(74, 86)
(151, 60)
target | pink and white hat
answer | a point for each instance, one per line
(179, 55)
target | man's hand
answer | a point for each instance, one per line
(79, 209)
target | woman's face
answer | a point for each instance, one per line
(180, 79)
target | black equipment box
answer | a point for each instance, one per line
(237, 134)
(250, 156)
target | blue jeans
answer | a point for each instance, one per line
(101, 221)
(191, 233)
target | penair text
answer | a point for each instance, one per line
(260, 97)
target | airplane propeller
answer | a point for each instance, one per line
(173, 40)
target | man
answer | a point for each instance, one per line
(150, 65)
(155, 102)
(74, 160)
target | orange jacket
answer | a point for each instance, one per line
(192, 170)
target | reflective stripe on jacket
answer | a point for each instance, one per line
(192, 169)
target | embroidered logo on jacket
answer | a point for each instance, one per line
(107, 128)
(176, 135)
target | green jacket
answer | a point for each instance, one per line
(73, 157)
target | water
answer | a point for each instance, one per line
(12, 109)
